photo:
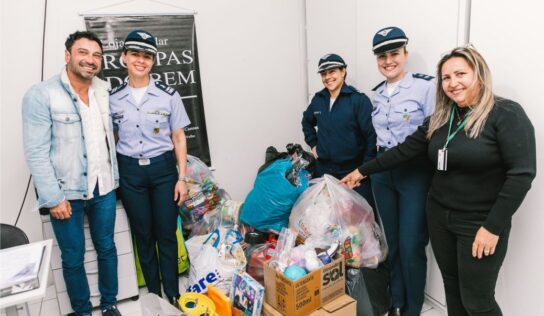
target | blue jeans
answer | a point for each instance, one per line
(100, 212)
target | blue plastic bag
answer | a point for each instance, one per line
(269, 204)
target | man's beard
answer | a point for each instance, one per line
(78, 72)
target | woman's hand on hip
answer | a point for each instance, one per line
(484, 243)
(353, 179)
(180, 192)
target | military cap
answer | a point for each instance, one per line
(141, 41)
(387, 39)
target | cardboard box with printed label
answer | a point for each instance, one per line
(308, 293)
(342, 306)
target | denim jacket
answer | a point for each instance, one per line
(54, 142)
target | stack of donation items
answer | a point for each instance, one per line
(329, 213)
(240, 266)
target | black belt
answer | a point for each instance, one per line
(144, 161)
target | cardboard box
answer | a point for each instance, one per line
(342, 306)
(308, 293)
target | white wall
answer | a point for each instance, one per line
(252, 59)
(507, 33)
(254, 67)
(21, 27)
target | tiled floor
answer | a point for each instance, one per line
(49, 307)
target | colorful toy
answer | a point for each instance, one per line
(221, 301)
(195, 304)
(294, 272)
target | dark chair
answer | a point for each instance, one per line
(11, 236)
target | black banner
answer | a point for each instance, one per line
(176, 63)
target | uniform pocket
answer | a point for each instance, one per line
(409, 113)
(158, 119)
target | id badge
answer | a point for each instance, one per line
(442, 159)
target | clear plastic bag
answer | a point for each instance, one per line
(204, 194)
(329, 212)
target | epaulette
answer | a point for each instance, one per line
(165, 88)
(118, 88)
(422, 76)
(379, 84)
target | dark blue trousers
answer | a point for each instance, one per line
(147, 193)
(401, 195)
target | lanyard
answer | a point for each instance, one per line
(450, 134)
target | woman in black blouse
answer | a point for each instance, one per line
(483, 148)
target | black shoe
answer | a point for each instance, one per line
(175, 302)
(111, 311)
(395, 311)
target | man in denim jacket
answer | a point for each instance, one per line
(70, 150)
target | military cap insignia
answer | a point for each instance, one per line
(144, 35)
(118, 88)
(422, 76)
(165, 88)
(385, 32)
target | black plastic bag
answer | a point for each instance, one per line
(370, 288)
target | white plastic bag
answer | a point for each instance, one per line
(329, 212)
(214, 259)
(152, 305)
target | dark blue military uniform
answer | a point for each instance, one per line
(345, 137)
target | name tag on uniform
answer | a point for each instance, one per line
(442, 160)
(144, 161)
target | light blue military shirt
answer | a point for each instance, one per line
(397, 116)
(145, 129)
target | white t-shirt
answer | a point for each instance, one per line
(390, 87)
(138, 93)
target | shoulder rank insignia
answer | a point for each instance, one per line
(165, 88)
(118, 88)
(422, 76)
(379, 84)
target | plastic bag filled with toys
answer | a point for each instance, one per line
(204, 194)
(329, 212)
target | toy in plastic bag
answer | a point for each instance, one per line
(214, 259)
(226, 215)
(204, 195)
(269, 204)
(329, 212)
